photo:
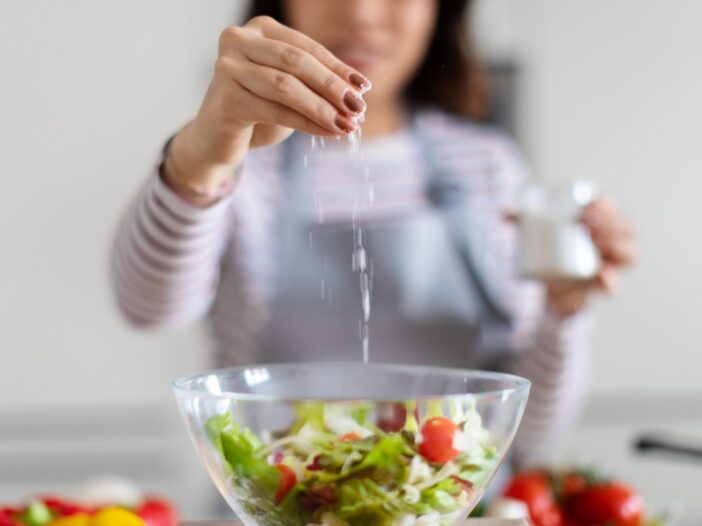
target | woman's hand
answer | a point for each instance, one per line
(614, 238)
(268, 81)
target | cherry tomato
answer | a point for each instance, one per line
(612, 504)
(533, 489)
(157, 512)
(287, 481)
(349, 437)
(437, 440)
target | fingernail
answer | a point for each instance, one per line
(354, 102)
(361, 82)
(345, 124)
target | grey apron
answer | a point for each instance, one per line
(428, 303)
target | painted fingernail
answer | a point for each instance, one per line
(345, 124)
(361, 82)
(354, 102)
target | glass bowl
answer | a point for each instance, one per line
(351, 444)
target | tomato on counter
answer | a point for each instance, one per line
(574, 498)
(53, 511)
(611, 503)
(534, 489)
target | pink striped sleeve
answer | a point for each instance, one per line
(166, 256)
(558, 363)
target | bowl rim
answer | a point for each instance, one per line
(180, 387)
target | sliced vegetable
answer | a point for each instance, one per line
(287, 481)
(338, 466)
(437, 440)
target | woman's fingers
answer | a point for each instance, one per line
(264, 111)
(286, 89)
(611, 232)
(607, 279)
(302, 65)
(283, 73)
(273, 29)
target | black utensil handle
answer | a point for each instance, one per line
(676, 446)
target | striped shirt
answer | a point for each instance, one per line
(174, 263)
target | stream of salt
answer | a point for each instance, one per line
(361, 263)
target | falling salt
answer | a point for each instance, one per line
(354, 139)
(359, 260)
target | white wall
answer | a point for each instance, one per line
(88, 93)
(89, 90)
(612, 93)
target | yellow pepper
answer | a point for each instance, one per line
(115, 517)
(104, 517)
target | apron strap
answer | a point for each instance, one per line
(446, 198)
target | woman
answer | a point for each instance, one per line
(254, 230)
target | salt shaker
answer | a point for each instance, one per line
(556, 246)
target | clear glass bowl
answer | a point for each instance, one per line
(351, 444)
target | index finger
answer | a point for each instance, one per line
(271, 28)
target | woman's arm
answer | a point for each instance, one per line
(556, 356)
(268, 80)
(166, 256)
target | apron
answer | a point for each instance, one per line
(428, 303)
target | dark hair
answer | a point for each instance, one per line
(450, 77)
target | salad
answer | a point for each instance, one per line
(336, 466)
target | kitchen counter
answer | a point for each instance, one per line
(470, 522)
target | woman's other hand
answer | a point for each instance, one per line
(613, 236)
(268, 81)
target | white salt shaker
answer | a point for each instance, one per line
(556, 246)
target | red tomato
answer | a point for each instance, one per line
(437, 440)
(6, 520)
(533, 489)
(607, 504)
(287, 481)
(61, 507)
(571, 485)
(352, 437)
(156, 512)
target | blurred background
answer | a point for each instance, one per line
(89, 91)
